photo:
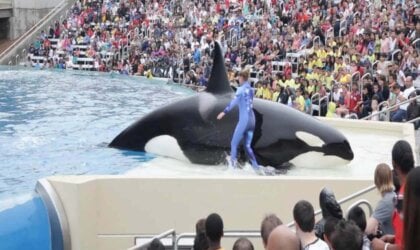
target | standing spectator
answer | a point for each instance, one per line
(243, 244)
(412, 210)
(214, 231)
(269, 223)
(347, 236)
(304, 216)
(282, 238)
(200, 240)
(381, 219)
(358, 216)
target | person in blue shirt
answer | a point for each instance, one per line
(245, 127)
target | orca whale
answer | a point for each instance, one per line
(283, 136)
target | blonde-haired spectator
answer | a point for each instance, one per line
(382, 216)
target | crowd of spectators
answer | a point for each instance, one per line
(394, 224)
(357, 53)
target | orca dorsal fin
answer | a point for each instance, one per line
(218, 82)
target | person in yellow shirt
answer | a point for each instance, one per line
(311, 87)
(259, 92)
(299, 101)
(291, 82)
(276, 94)
(267, 92)
(282, 81)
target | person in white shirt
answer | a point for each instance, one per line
(401, 113)
(304, 216)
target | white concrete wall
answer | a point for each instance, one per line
(27, 13)
(105, 212)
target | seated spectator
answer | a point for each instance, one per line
(401, 113)
(381, 219)
(282, 238)
(243, 244)
(358, 216)
(269, 223)
(214, 231)
(200, 240)
(412, 210)
(346, 236)
(304, 216)
(330, 208)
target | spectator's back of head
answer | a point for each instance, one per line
(282, 238)
(214, 227)
(269, 223)
(358, 216)
(156, 244)
(243, 244)
(200, 240)
(383, 178)
(402, 156)
(347, 236)
(303, 214)
(329, 228)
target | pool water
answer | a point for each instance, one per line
(59, 122)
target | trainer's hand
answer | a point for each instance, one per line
(220, 116)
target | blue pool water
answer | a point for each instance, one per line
(57, 123)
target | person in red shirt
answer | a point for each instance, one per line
(411, 210)
(355, 98)
(403, 162)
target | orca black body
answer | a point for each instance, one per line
(282, 134)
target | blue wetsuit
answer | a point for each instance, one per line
(245, 127)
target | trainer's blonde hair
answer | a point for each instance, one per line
(244, 74)
(383, 178)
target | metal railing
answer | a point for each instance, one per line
(388, 110)
(170, 232)
(352, 116)
(361, 202)
(312, 101)
(394, 53)
(414, 120)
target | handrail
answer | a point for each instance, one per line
(33, 28)
(352, 116)
(340, 33)
(320, 100)
(226, 234)
(392, 107)
(413, 120)
(317, 38)
(159, 237)
(361, 202)
(393, 53)
(312, 101)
